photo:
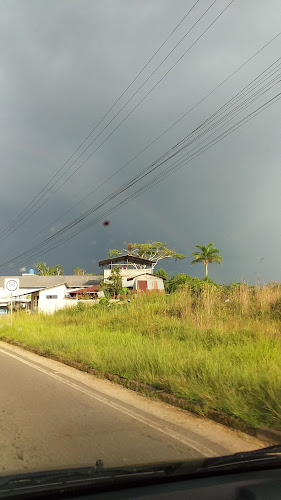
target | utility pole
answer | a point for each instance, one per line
(11, 285)
(11, 307)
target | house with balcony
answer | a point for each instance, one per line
(136, 272)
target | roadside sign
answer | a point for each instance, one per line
(12, 284)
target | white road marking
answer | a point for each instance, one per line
(204, 450)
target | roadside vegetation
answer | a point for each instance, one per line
(217, 346)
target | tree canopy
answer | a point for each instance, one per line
(113, 284)
(162, 273)
(207, 255)
(114, 252)
(45, 270)
(78, 271)
(152, 250)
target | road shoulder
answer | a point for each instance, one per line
(206, 436)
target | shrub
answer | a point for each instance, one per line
(103, 302)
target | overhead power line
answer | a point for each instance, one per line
(103, 182)
(23, 212)
(164, 158)
(149, 92)
(149, 185)
(125, 118)
(45, 245)
(256, 81)
(260, 79)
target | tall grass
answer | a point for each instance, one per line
(218, 347)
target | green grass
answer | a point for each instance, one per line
(221, 351)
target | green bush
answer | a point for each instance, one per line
(162, 273)
(195, 284)
(81, 306)
(103, 302)
(176, 282)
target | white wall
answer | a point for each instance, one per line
(60, 291)
(50, 305)
(151, 281)
(127, 273)
(126, 283)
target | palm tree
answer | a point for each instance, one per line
(207, 255)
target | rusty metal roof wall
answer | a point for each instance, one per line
(125, 258)
(36, 281)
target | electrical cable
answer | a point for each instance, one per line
(114, 104)
(159, 136)
(208, 27)
(160, 176)
(149, 184)
(194, 139)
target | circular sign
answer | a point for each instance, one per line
(12, 285)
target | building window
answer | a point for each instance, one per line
(51, 296)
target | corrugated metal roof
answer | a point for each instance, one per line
(146, 274)
(36, 281)
(89, 289)
(28, 291)
(126, 258)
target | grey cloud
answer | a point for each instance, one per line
(63, 65)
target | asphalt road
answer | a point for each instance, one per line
(53, 416)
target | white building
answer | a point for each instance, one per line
(136, 272)
(146, 282)
(52, 299)
(32, 288)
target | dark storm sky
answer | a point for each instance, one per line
(64, 63)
